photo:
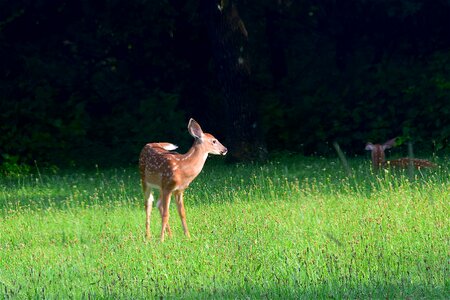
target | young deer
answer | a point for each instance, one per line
(172, 172)
(379, 161)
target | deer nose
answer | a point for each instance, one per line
(224, 151)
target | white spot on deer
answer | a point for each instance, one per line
(170, 147)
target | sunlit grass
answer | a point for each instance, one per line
(292, 228)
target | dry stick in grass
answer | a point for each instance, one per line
(410, 163)
(342, 158)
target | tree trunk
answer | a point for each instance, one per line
(228, 37)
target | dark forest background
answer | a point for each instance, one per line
(85, 82)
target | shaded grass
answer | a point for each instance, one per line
(293, 228)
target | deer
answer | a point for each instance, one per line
(170, 172)
(379, 160)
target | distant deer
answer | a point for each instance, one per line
(171, 172)
(379, 161)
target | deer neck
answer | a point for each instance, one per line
(194, 160)
(378, 159)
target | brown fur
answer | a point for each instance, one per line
(172, 173)
(379, 160)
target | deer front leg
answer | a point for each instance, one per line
(165, 203)
(181, 212)
(161, 212)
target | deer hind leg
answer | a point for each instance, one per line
(164, 209)
(161, 211)
(148, 209)
(181, 212)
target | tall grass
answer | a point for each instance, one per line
(292, 228)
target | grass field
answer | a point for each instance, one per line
(293, 228)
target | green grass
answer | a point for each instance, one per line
(293, 228)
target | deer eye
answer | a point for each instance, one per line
(214, 141)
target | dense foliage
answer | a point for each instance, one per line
(81, 79)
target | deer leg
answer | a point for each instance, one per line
(165, 203)
(161, 211)
(148, 209)
(181, 212)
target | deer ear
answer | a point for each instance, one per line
(369, 147)
(389, 144)
(194, 129)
